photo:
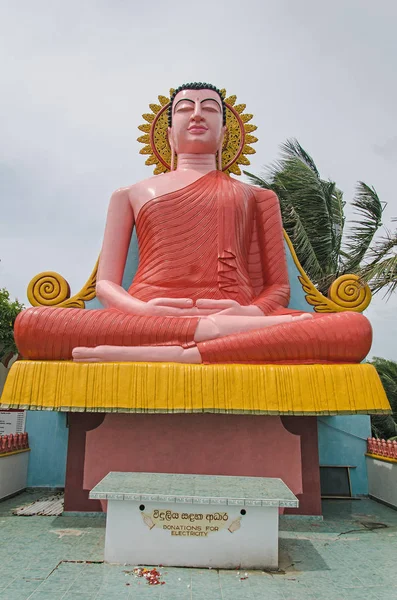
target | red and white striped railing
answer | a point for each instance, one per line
(13, 442)
(384, 448)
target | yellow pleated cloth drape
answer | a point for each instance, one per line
(172, 388)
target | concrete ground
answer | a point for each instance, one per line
(351, 554)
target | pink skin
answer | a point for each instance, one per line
(196, 136)
(197, 124)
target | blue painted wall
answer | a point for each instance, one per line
(48, 440)
(343, 441)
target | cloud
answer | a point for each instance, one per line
(387, 150)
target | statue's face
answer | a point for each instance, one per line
(197, 122)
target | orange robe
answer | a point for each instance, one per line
(212, 239)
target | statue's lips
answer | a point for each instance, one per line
(197, 129)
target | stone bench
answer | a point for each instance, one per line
(193, 520)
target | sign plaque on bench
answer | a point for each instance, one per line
(193, 520)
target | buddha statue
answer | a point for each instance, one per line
(212, 283)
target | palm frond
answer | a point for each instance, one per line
(335, 206)
(292, 149)
(369, 209)
(383, 426)
(381, 272)
(387, 371)
(305, 214)
(302, 243)
(383, 276)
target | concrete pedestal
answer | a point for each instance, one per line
(13, 472)
(224, 522)
(382, 479)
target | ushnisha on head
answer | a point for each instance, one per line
(196, 119)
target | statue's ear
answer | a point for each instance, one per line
(172, 146)
(223, 133)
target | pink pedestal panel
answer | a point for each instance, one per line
(192, 443)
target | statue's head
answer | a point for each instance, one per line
(196, 119)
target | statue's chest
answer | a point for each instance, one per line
(197, 220)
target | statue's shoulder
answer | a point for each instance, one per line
(152, 186)
(145, 183)
(146, 187)
(260, 193)
(120, 194)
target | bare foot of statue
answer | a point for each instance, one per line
(137, 354)
(208, 328)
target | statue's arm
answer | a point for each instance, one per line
(116, 241)
(276, 291)
(117, 237)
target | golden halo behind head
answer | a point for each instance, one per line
(236, 144)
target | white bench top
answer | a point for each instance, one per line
(194, 489)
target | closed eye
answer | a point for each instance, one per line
(187, 108)
(210, 108)
(184, 104)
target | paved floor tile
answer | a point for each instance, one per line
(343, 557)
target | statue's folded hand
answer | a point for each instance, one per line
(113, 295)
(180, 307)
(171, 307)
(230, 307)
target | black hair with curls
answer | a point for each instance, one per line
(196, 86)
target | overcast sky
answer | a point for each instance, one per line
(76, 77)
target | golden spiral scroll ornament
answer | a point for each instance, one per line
(51, 289)
(347, 293)
(48, 289)
(236, 144)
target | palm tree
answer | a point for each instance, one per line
(313, 216)
(9, 310)
(385, 426)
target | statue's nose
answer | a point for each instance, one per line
(197, 115)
